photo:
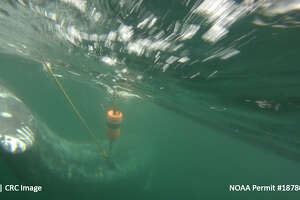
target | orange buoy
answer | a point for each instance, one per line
(114, 121)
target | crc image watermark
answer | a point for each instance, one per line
(20, 188)
(264, 188)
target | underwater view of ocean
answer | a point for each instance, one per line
(150, 99)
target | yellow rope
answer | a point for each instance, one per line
(92, 135)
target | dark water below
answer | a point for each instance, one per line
(236, 122)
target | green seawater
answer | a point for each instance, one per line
(239, 126)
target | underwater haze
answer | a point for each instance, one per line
(209, 91)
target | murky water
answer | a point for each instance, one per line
(210, 88)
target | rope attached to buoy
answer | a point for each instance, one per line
(103, 152)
